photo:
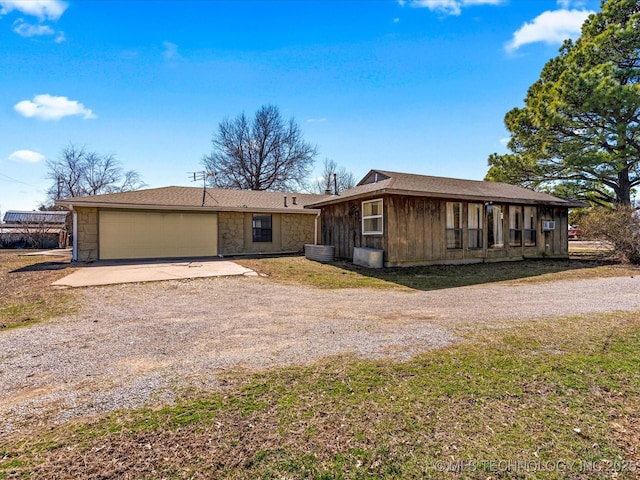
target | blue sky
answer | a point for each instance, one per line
(418, 86)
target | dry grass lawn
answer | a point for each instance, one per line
(26, 294)
(555, 398)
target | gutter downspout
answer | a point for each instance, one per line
(315, 229)
(74, 255)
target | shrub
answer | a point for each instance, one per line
(619, 226)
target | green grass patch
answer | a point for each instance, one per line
(540, 399)
(22, 314)
(300, 271)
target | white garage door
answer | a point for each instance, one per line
(151, 234)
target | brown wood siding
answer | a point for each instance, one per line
(342, 228)
(554, 243)
(416, 229)
(415, 233)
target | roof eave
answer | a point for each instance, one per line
(189, 208)
(577, 204)
(413, 193)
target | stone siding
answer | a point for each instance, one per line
(290, 233)
(87, 234)
(230, 233)
(297, 230)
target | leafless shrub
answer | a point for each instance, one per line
(619, 226)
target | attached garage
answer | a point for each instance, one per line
(188, 222)
(127, 234)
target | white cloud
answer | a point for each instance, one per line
(505, 141)
(566, 4)
(551, 27)
(25, 29)
(26, 156)
(170, 51)
(469, 3)
(449, 7)
(43, 9)
(316, 120)
(48, 107)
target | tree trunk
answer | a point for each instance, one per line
(623, 192)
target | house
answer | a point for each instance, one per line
(425, 220)
(33, 229)
(407, 219)
(175, 222)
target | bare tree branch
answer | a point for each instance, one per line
(343, 178)
(78, 173)
(266, 153)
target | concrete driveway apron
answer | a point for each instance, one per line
(114, 273)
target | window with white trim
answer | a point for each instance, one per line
(372, 217)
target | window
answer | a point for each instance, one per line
(530, 222)
(494, 226)
(515, 226)
(372, 219)
(454, 225)
(475, 222)
(262, 231)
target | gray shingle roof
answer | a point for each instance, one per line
(191, 198)
(378, 182)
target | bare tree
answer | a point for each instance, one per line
(334, 178)
(266, 153)
(78, 172)
(33, 232)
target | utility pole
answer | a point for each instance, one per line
(59, 182)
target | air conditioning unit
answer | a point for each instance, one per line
(548, 225)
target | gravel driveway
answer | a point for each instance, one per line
(136, 343)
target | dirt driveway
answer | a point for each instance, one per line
(137, 343)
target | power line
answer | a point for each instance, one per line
(19, 181)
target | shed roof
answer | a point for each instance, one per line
(191, 198)
(17, 216)
(379, 182)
